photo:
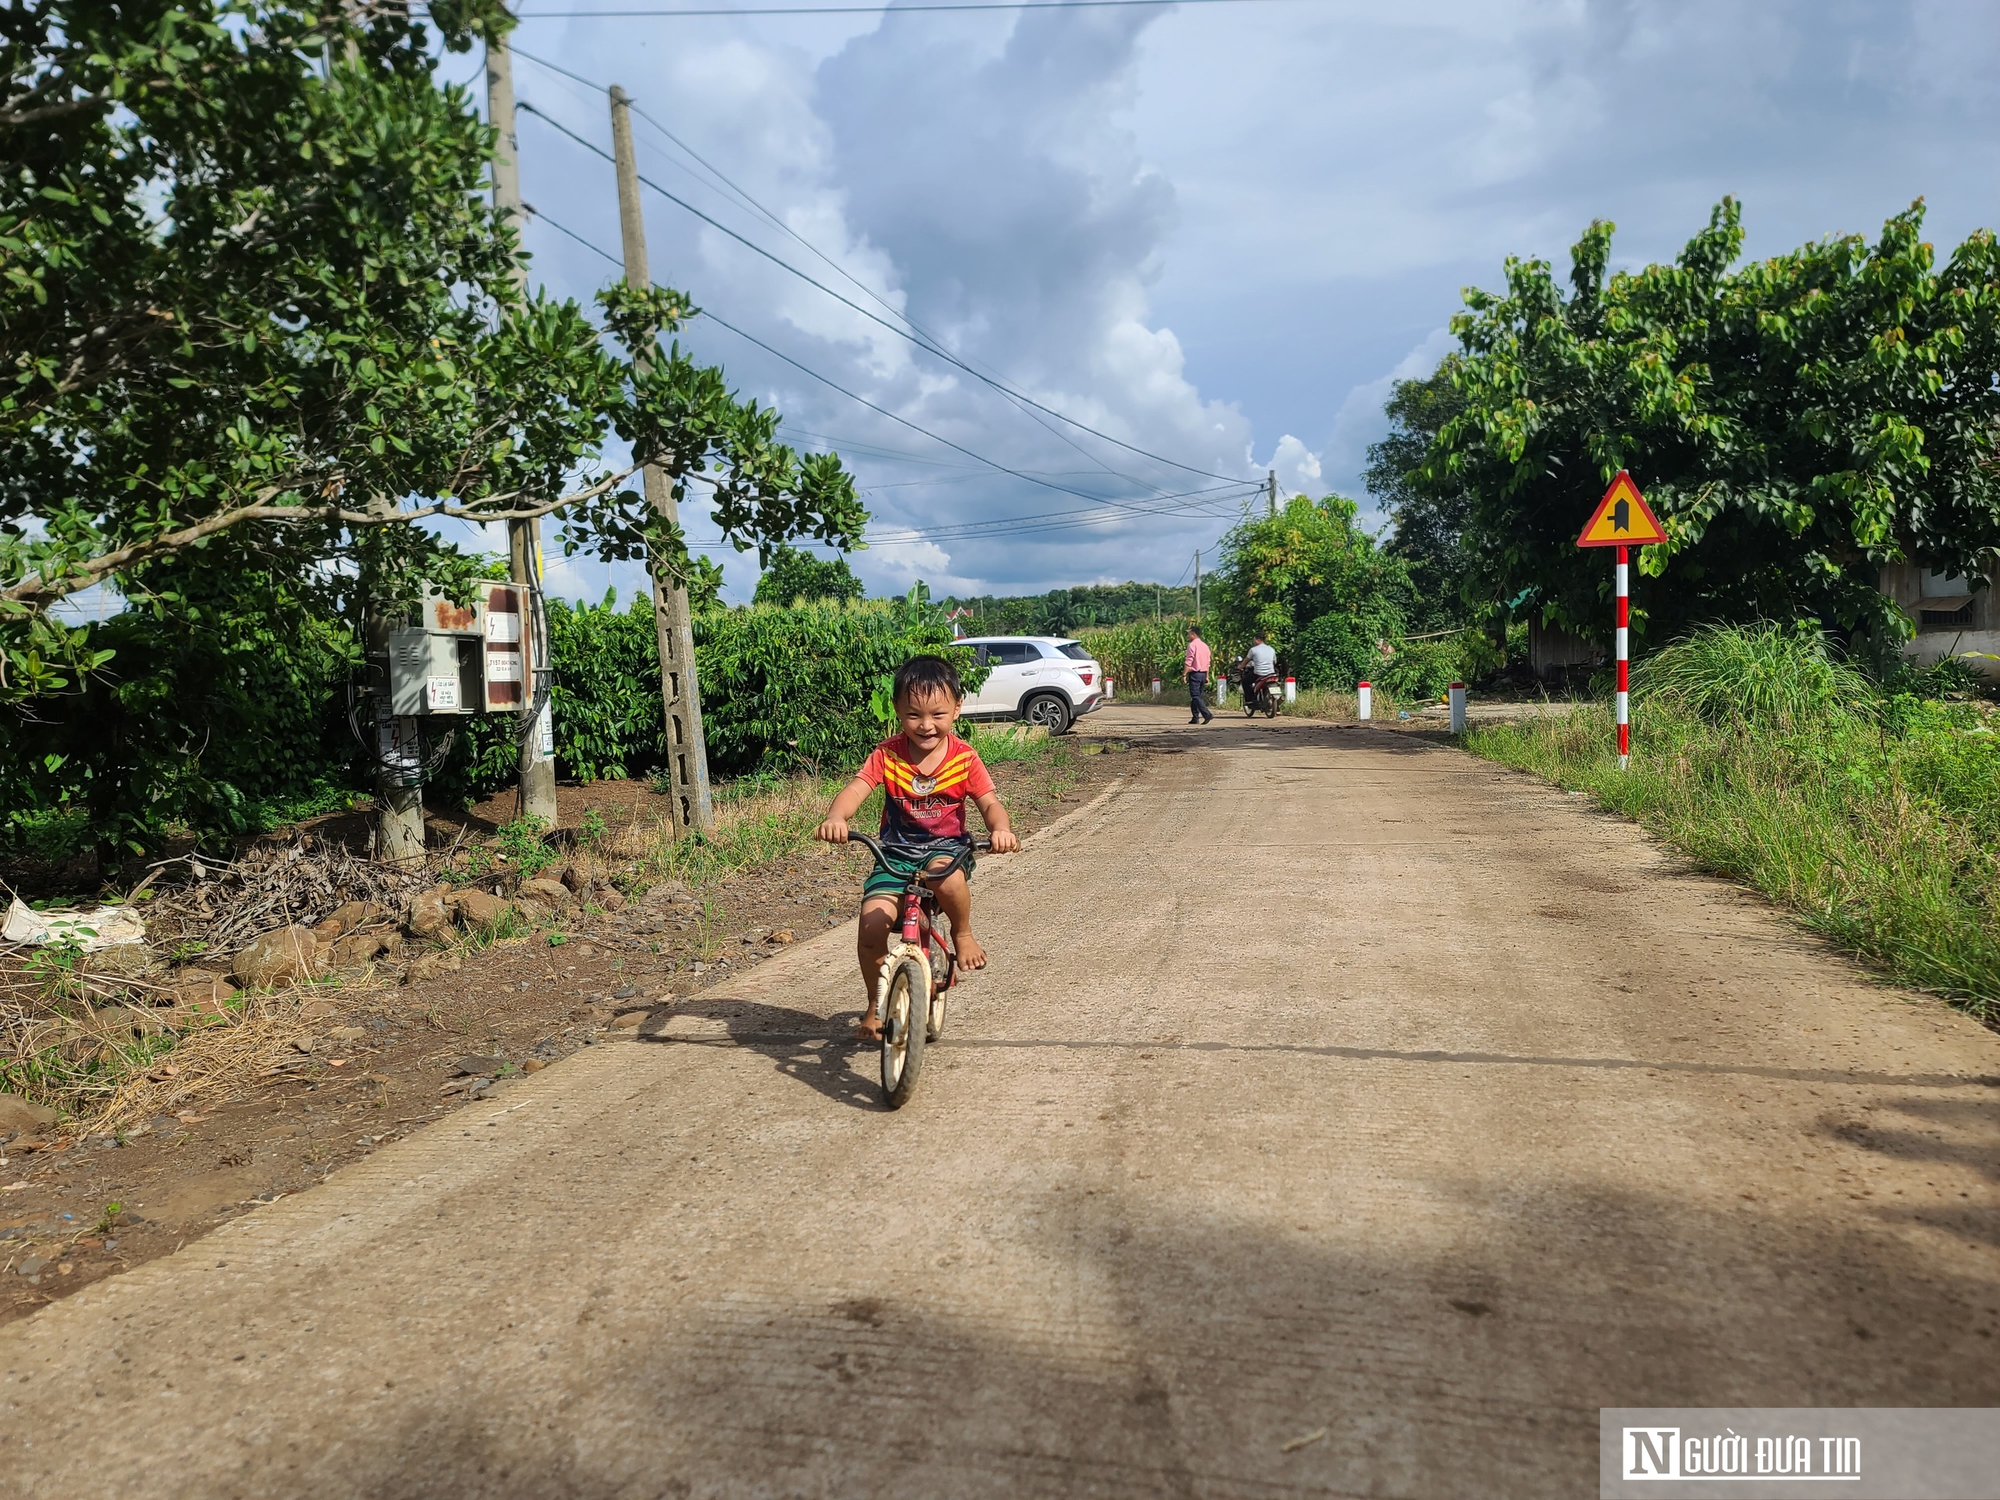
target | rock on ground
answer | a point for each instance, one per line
(550, 893)
(428, 917)
(480, 910)
(20, 1116)
(284, 956)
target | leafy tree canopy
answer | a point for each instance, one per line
(1797, 423)
(1429, 519)
(255, 313)
(794, 574)
(1318, 587)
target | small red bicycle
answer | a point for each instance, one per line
(919, 971)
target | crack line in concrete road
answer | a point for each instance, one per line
(1371, 1054)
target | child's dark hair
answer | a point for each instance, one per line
(924, 675)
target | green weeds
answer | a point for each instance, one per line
(998, 744)
(520, 843)
(1875, 818)
(57, 968)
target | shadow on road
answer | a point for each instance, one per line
(816, 1050)
(1213, 1356)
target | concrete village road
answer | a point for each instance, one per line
(1330, 1085)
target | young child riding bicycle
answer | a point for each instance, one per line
(926, 773)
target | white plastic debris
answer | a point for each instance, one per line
(107, 927)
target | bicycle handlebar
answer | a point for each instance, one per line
(874, 847)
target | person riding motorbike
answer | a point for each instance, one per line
(1260, 670)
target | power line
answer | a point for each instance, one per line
(743, 195)
(864, 10)
(921, 341)
(863, 400)
(1194, 500)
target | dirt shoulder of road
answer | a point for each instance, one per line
(386, 1054)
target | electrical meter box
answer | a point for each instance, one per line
(470, 658)
(504, 639)
(433, 674)
(443, 617)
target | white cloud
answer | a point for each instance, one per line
(1361, 420)
(1297, 467)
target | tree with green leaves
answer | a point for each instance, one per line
(1797, 423)
(794, 574)
(257, 315)
(1429, 519)
(1315, 585)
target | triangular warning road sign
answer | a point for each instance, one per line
(1622, 518)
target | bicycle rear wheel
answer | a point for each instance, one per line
(904, 1008)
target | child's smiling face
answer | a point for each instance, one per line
(927, 717)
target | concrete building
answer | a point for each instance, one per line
(1953, 615)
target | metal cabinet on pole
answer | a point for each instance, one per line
(687, 750)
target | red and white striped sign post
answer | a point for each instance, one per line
(1624, 660)
(1623, 520)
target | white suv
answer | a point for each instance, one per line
(1044, 679)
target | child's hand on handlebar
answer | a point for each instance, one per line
(832, 831)
(1004, 842)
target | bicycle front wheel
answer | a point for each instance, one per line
(905, 1012)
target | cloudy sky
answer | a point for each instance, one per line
(1214, 232)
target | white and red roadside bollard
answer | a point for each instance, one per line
(1624, 664)
(1291, 690)
(1110, 688)
(1364, 702)
(1458, 708)
(1156, 687)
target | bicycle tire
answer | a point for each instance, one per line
(904, 1007)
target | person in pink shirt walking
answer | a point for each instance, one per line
(1197, 665)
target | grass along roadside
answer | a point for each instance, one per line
(1873, 816)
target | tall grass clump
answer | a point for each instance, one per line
(1873, 815)
(1762, 675)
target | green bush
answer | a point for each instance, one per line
(781, 689)
(229, 720)
(609, 719)
(808, 687)
(1140, 650)
(1335, 652)
(1424, 669)
(794, 575)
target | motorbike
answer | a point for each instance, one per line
(1264, 693)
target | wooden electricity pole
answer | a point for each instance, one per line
(524, 541)
(687, 750)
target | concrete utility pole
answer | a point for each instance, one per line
(1271, 490)
(1197, 584)
(399, 761)
(687, 750)
(524, 538)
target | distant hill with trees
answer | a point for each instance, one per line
(1067, 611)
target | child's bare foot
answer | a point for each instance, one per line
(868, 1028)
(970, 954)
